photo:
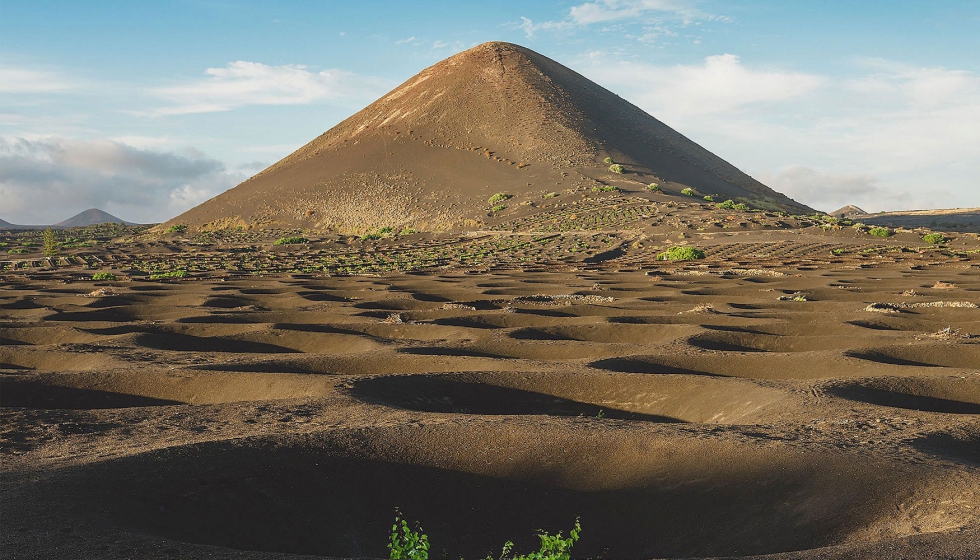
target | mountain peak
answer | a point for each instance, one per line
(495, 118)
(89, 217)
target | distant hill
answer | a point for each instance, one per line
(848, 211)
(89, 217)
(951, 219)
(495, 118)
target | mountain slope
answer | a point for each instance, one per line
(495, 118)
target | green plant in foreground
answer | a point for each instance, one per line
(689, 192)
(880, 231)
(709, 198)
(497, 208)
(290, 240)
(653, 187)
(103, 276)
(617, 168)
(176, 228)
(934, 238)
(605, 188)
(406, 544)
(499, 197)
(609, 160)
(19, 251)
(678, 253)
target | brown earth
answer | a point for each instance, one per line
(497, 118)
(803, 392)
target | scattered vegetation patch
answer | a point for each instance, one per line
(709, 198)
(934, 238)
(169, 274)
(654, 187)
(879, 307)
(550, 195)
(605, 188)
(732, 205)
(617, 168)
(880, 231)
(609, 160)
(499, 197)
(378, 233)
(678, 253)
(688, 191)
(290, 240)
(19, 251)
(498, 208)
(176, 228)
(103, 276)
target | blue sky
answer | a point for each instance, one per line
(145, 109)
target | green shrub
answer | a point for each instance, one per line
(406, 544)
(678, 253)
(653, 187)
(728, 204)
(51, 247)
(553, 547)
(550, 195)
(609, 160)
(407, 231)
(880, 231)
(171, 274)
(176, 228)
(616, 168)
(103, 276)
(19, 250)
(934, 238)
(499, 197)
(605, 188)
(497, 208)
(709, 198)
(689, 192)
(290, 240)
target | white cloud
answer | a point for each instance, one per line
(604, 11)
(406, 41)
(530, 28)
(46, 181)
(720, 85)
(888, 136)
(828, 192)
(244, 83)
(23, 80)
(626, 12)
